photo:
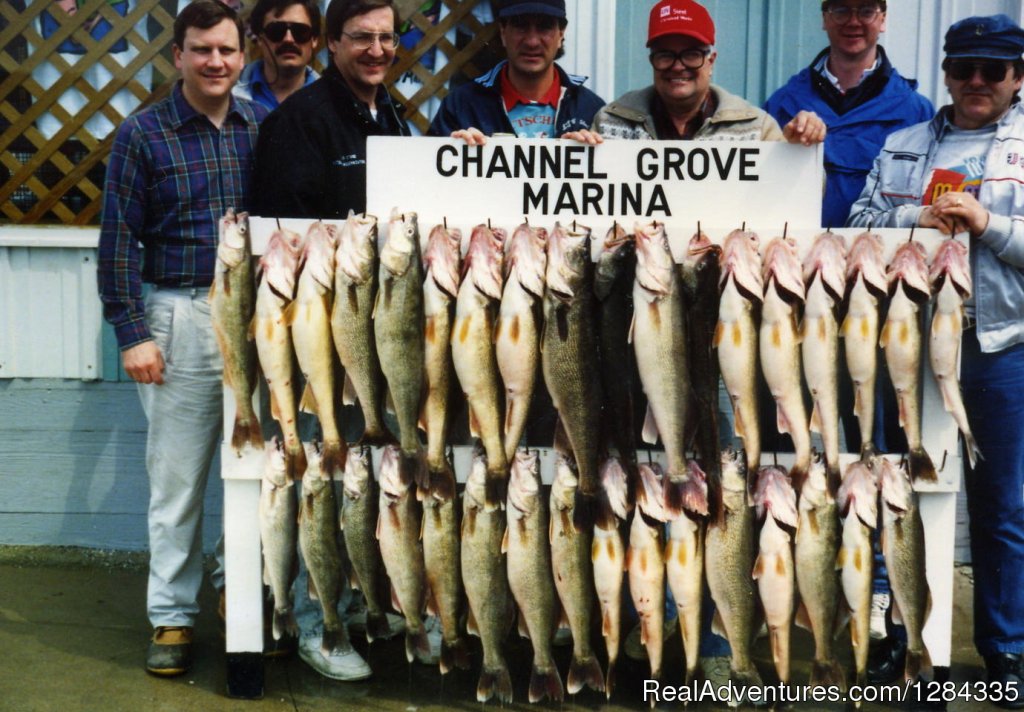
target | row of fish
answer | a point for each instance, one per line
(806, 558)
(840, 294)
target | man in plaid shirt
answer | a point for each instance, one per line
(175, 169)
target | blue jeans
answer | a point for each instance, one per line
(993, 387)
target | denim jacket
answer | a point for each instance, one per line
(892, 198)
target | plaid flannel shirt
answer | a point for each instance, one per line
(172, 174)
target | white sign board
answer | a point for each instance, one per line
(720, 183)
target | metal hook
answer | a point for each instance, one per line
(785, 229)
(912, 228)
(943, 465)
(445, 222)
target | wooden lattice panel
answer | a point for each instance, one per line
(58, 178)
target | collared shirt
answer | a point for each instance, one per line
(172, 175)
(822, 68)
(531, 119)
(260, 89)
(666, 128)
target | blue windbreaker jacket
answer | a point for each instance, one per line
(479, 104)
(855, 137)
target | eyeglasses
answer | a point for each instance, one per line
(542, 24)
(365, 40)
(991, 71)
(276, 31)
(691, 58)
(842, 14)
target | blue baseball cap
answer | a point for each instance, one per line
(511, 8)
(988, 37)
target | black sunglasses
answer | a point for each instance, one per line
(275, 31)
(991, 70)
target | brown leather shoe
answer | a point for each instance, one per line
(170, 651)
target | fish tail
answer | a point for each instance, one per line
(584, 671)
(973, 451)
(609, 679)
(585, 511)
(918, 665)
(377, 437)
(545, 683)
(828, 673)
(685, 494)
(494, 682)
(442, 482)
(333, 458)
(833, 477)
(377, 626)
(921, 466)
(247, 432)
(868, 451)
(416, 643)
(295, 462)
(495, 490)
(454, 655)
(284, 623)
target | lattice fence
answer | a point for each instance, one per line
(67, 79)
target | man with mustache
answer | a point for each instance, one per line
(288, 32)
(963, 171)
(175, 168)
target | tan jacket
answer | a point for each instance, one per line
(629, 117)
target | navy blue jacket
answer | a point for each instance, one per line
(479, 104)
(858, 124)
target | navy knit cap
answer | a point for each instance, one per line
(511, 8)
(989, 37)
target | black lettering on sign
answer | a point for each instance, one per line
(573, 161)
(592, 194)
(566, 201)
(524, 160)
(442, 167)
(499, 164)
(631, 197)
(647, 168)
(748, 163)
(658, 203)
(591, 171)
(674, 159)
(698, 169)
(472, 156)
(535, 200)
(550, 163)
(723, 168)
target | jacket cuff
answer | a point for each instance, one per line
(997, 234)
(132, 333)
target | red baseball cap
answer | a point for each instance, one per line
(680, 17)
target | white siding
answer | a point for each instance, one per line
(50, 319)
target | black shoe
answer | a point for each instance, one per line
(886, 661)
(1005, 671)
(170, 651)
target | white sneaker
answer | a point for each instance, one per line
(341, 663)
(432, 624)
(879, 606)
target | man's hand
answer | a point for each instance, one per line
(956, 211)
(587, 136)
(472, 136)
(144, 363)
(806, 128)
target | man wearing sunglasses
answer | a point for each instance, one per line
(963, 171)
(682, 103)
(527, 95)
(311, 154)
(854, 88)
(288, 32)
